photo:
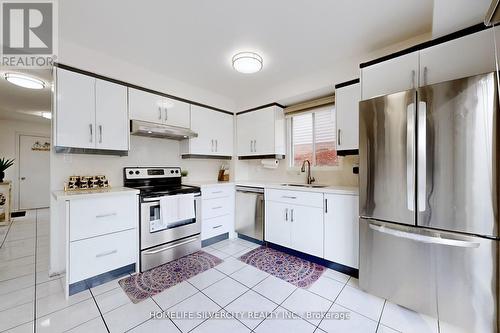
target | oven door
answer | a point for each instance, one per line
(151, 216)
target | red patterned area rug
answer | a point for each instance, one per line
(297, 271)
(143, 285)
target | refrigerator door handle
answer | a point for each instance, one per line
(422, 155)
(410, 157)
(424, 238)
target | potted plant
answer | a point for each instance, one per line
(4, 165)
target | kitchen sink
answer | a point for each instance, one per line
(306, 185)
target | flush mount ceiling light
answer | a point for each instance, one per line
(24, 81)
(247, 62)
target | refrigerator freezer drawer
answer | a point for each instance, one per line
(432, 272)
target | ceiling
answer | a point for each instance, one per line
(18, 102)
(193, 41)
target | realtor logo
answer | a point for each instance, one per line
(28, 33)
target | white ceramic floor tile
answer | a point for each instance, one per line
(197, 306)
(384, 329)
(107, 286)
(232, 248)
(251, 305)
(230, 265)
(130, 315)
(249, 275)
(445, 327)
(174, 295)
(341, 320)
(302, 302)
(16, 316)
(333, 274)
(225, 291)
(220, 244)
(361, 302)
(68, 317)
(95, 325)
(353, 282)
(111, 300)
(16, 271)
(326, 287)
(224, 324)
(50, 287)
(282, 320)
(408, 321)
(43, 276)
(164, 325)
(18, 297)
(24, 328)
(275, 289)
(217, 253)
(58, 301)
(206, 278)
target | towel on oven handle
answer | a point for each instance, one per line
(175, 208)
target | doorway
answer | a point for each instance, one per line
(34, 164)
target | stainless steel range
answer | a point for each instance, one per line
(170, 222)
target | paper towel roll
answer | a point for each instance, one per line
(270, 163)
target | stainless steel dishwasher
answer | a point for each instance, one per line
(250, 212)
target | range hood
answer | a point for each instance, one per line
(154, 130)
(493, 13)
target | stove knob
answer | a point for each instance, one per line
(137, 172)
(130, 172)
(171, 171)
(176, 171)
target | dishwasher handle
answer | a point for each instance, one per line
(246, 189)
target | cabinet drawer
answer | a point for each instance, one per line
(295, 197)
(217, 192)
(215, 207)
(94, 217)
(94, 256)
(215, 226)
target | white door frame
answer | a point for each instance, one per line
(17, 187)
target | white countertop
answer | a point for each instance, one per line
(328, 189)
(71, 195)
(202, 183)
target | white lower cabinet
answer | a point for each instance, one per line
(102, 234)
(291, 224)
(217, 210)
(342, 229)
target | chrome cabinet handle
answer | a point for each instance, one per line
(288, 197)
(326, 205)
(410, 157)
(286, 214)
(216, 145)
(159, 113)
(105, 215)
(91, 132)
(422, 155)
(212, 148)
(218, 207)
(166, 114)
(217, 226)
(216, 192)
(254, 146)
(424, 238)
(339, 133)
(425, 75)
(107, 253)
(291, 215)
(413, 78)
(100, 133)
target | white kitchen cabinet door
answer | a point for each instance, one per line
(307, 229)
(245, 129)
(462, 57)
(342, 229)
(347, 112)
(176, 113)
(277, 223)
(112, 129)
(224, 124)
(390, 76)
(145, 106)
(75, 110)
(215, 132)
(263, 122)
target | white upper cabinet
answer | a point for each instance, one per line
(261, 132)
(466, 56)
(90, 113)
(347, 112)
(342, 229)
(154, 108)
(215, 133)
(390, 76)
(75, 110)
(112, 129)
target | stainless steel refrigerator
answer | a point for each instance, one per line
(429, 198)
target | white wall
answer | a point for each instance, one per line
(9, 131)
(452, 15)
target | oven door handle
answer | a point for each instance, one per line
(198, 194)
(168, 247)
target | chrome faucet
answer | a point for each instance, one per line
(310, 179)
